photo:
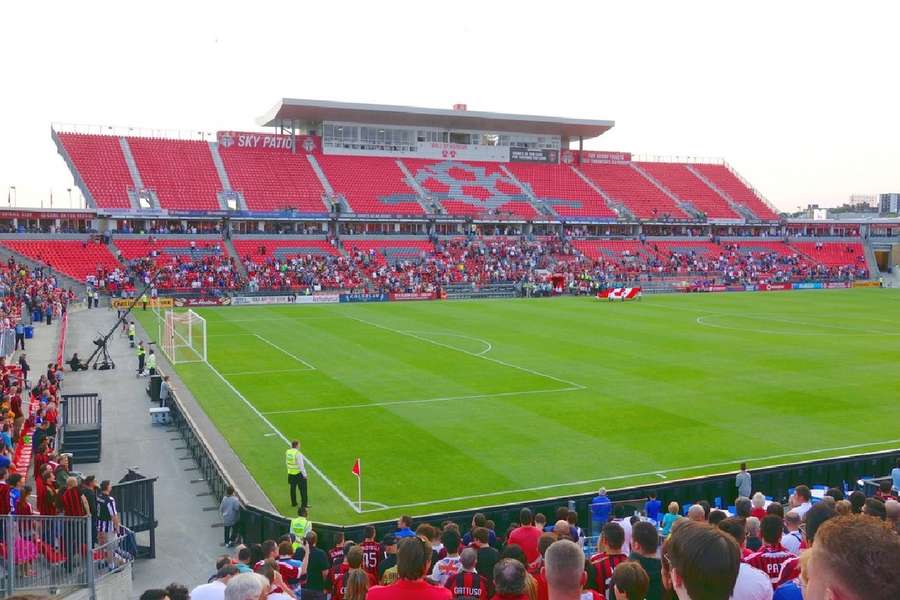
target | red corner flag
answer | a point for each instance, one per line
(356, 470)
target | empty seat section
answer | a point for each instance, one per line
(181, 172)
(690, 188)
(75, 258)
(260, 251)
(635, 191)
(101, 164)
(561, 188)
(164, 249)
(725, 180)
(371, 185)
(274, 180)
(832, 254)
(472, 188)
(390, 251)
(617, 251)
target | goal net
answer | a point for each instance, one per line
(183, 338)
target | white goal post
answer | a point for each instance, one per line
(183, 338)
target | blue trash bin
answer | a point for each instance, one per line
(36, 315)
(29, 332)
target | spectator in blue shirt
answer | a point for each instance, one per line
(652, 506)
(601, 508)
(403, 530)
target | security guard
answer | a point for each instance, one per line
(151, 363)
(144, 300)
(296, 471)
(140, 356)
(300, 526)
(131, 332)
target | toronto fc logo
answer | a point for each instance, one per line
(309, 145)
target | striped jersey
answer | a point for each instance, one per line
(769, 560)
(467, 585)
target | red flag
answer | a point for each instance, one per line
(356, 468)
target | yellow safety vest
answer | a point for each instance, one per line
(151, 361)
(141, 351)
(290, 459)
(131, 330)
(299, 528)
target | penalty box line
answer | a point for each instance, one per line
(657, 472)
(570, 384)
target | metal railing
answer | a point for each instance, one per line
(81, 409)
(57, 554)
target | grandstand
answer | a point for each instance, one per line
(348, 209)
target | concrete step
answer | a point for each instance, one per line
(542, 208)
(135, 176)
(428, 203)
(613, 204)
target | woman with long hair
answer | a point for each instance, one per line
(357, 585)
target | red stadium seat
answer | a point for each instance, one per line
(636, 192)
(725, 180)
(371, 185)
(181, 172)
(690, 188)
(76, 258)
(101, 164)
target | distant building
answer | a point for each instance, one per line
(889, 203)
(866, 199)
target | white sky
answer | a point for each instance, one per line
(802, 98)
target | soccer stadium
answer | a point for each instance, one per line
(345, 350)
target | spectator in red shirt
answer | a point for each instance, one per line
(526, 535)
(509, 580)
(770, 558)
(413, 563)
(564, 570)
(371, 550)
(73, 502)
(467, 584)
(612, 537)
(758, 501)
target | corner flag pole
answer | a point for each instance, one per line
(357, 470)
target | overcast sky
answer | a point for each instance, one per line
(802, 98)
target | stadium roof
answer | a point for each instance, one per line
(290, 111)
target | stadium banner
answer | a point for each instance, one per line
(232, 140)
(837, 285)
(414, 296)
(180, 302)
(533, 155)
(623, 294)
(249, 300)
(153, 303)
(590, 157)
(735, 288)
(449, 151)
(811, 285)
(773, 287)
(319, 299)
(866, 284)
(363, 297)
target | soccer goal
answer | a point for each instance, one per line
(183, 338)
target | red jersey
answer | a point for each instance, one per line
(404, 589)
(467, 585)
(339, 586)
(605, 567)
(71, 501)
(372, 556)
(4, 498)
(769, 560)
(527, 539)
(790, 570)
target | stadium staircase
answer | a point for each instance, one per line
(227, 190)
(740, 209)
(542, 208)
(614, 205)
(684, 205)
(136, 178)
(871, 263)
(233, 253)
(429, 204)
(326, 185)
(81, 424)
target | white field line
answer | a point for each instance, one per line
(761, 317)
(303, 370)
(353, 505)
(277, 347)
(475, 354)
(487, 344)
(424, 401)
(631, 475)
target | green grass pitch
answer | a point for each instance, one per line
(454, 405)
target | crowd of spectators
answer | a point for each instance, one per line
(812, 548)
(203, 267)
